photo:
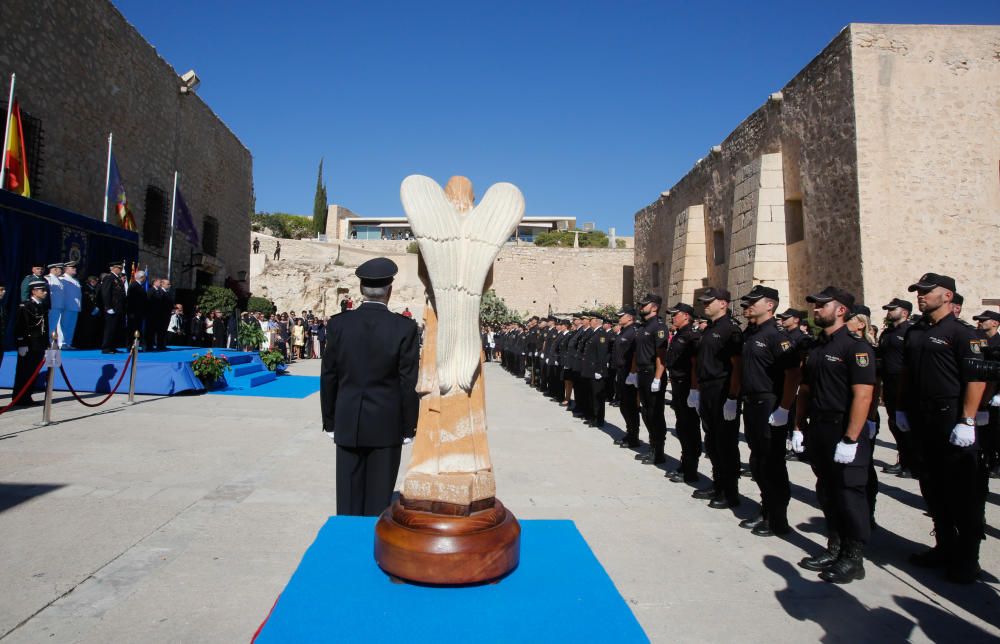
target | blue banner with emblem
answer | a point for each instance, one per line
(34, 231)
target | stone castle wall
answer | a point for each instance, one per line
(84, 71)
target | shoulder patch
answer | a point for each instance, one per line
(861, 359)
(975, 345)
(785, 345)
(661, 333)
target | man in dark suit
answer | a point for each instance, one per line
(368, 392)
(112, 299)
(137, 309)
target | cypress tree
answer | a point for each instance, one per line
(319, 202)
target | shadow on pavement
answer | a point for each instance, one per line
(12, 494)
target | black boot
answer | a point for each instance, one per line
(655, 455)
(753, 522)
(850, 565)
(825, 559)
(964, 569)
(940, 555)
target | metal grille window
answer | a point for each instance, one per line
(154, 223)
(210, 236)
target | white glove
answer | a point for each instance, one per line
(963, 435)
(556, 363)
(995, 401)
(597, 376)
(778, 417)
(902, 422)
(694, 397)
(95, 311)
(797, 440)
(982, 418)
(729, 409)
(632, 379)
(655, 386)
(22, 351)
(871, 427)
(546, 361)
(330, 434)
(110, 311)
(845, 453)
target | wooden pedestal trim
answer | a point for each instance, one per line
(448, 550)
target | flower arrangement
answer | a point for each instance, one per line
(272, 359)
(209, 368)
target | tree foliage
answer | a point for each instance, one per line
(493, 311)
(217, 297)
(282, 224)
(260, 304)
(564, 238)
(320, 203)
(607, 311)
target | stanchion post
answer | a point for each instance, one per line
(131, 377)
(52, 359)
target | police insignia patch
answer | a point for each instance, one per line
(861, 359)
(602, 340)
(660, 333)
(785, 345)
(975, 346)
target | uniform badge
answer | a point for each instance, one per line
(975, 346)
(660, 333)
(602, 340)
(861, 359)
(785, 345)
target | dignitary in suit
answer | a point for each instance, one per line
(31, 337)
(368, 392)
(112, 302)
(137, 307)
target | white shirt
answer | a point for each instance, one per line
(56, 294)
(73, 297)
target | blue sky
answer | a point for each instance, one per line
(591, 108)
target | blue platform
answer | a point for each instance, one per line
(158, 373)
(559, 593)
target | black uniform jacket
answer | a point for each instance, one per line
(368, 383)
(31, 327)
(111, 294)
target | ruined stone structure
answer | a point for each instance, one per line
(84, 71)
(876, 163)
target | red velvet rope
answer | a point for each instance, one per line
(27, 386)
(106, 398)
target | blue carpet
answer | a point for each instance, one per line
(286, 386)
(559, 593)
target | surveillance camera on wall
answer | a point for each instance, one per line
(190, 81)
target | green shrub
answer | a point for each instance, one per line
(413, 247)
(260, 305)
(272, 359)
(217, 297)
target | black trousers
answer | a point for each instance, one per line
(904, 446)
(767, 457)
(628, 400)
(597, 398)
(112, 326)
(156, 334)
(722, 438)
(652, 407)
(951, 478)
(25, 367)
(841, 489)
(688, 428)
(611, 390)
(366, 477)
(989, 437)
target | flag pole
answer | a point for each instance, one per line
(107, 179)
(6, 135)
(173, 211)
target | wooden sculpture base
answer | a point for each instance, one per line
(449, 550)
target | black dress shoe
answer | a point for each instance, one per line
(704, 493)
(750, 524)
(640, 456)
(652, 458)
(767, 529)
(721, 503)
(905, 474)
(892, 469)
(936, 557)
(630, 443)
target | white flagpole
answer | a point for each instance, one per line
(6, 136)
(107, 179)
(173, 211)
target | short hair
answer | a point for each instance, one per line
(379, 293)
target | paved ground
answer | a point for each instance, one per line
(180, 519)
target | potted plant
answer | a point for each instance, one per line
(273, 360)
(209, 368)
(250, 336)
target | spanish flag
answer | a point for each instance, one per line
(17, 160)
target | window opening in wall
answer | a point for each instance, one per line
(154, 223)
(655, 270)
(719, 247)
(210, 236)
(794, 225)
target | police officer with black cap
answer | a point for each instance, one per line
(31, 337)
(647, 373)
(940, 396)
(111, 296)
(989, 409)
(679, 361)
(770, 379)
(595, 370)
(791, 325)
(716, 397)
(836, 396)
(368, 392)
(628, 395)
(890, 366)
(581, 382)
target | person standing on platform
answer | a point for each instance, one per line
(680, 361)
(88, 327)
(37, 272)
(835, 396)
(56, 302)
(628, 396)
(647, 375)
(3, 319)
(31, 337)
(111, 297)
(368, 392)
(72, 303)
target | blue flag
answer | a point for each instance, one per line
(184, 222)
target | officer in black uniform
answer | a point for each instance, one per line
(835, 396)
(595, 370)
(791, 322)
(581, 383)
(628, 396)
(940, 395)
(769, 381)
(890, 367)
(31, 337)
(368, 392)
(679, 361)
(989, 336)
(647, 373)
(716, 397)
(112, 300)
